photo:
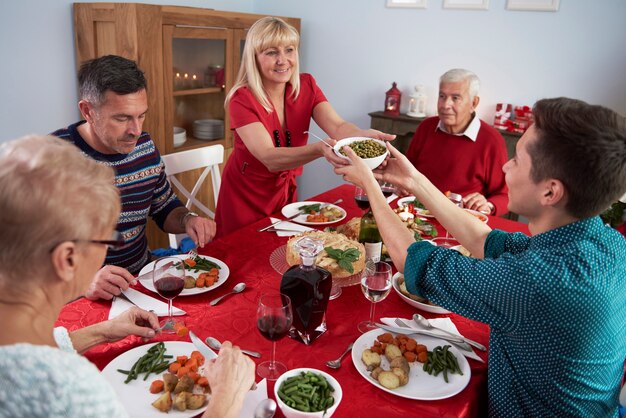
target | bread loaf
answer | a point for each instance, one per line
(330, 239)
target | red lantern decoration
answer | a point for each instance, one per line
(392, 100)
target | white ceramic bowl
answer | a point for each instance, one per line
(180, 136)
(419, 305)
(372, 163)
(290, 412)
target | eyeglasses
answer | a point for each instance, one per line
(114, 243)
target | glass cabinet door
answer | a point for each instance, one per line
(197, 75)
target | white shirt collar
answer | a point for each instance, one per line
(471, 132)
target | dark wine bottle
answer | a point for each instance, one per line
(369, 236)
(308, 287)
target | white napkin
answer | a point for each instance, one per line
(142, 300)
(253, 398)
(287, 229)
(443, 323)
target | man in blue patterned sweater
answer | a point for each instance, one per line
(114, 103)
(555, 301)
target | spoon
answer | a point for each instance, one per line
(335, 364)
(311, 133)
(421, 321)
(265, 409)
(215, 344)
(237, 289)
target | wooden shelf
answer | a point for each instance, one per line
(204, 90)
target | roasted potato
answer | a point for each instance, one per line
(190, 282)
(370, 359)
(170, 380)
(392, 351)
(180, 401)
(185, 384)
(195, 401)
(389, 379)
(376, 372)
(164, 402)
(401, 363)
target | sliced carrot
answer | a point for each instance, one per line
(210, 281)
(200, 281)
(410, 356)
(194, 376)
(182, 371)
(190, 262)
(203, 382)
(192, 363)
(422, 356)
(174, 367)
(214, 270)
(198, 356)
(157, 386)
(182, 360)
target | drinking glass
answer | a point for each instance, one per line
(361, 199)
(168, 276)
(387, 188)
(375, 284)
(273, 319)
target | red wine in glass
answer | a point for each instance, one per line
(362, 202)
(169, 286)
(273, 327)
(387, 190)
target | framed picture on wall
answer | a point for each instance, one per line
(533, 5)
(415, 4)
(466, 4)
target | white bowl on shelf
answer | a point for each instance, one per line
(373, 162)
(290, 412)
(180, 136)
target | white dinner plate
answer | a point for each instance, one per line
(421, 386)
(293, 208)
(408, 199)
(135, 395)
(221, 278)
(419, 305)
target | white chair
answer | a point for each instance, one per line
(210, 158)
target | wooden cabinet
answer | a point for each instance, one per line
(168, 42)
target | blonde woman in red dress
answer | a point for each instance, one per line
(271, 106)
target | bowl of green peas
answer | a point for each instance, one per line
(307, 393)
(372, 151)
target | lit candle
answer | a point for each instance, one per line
(177, 81)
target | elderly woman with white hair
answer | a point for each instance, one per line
(270, 107)
(58, 210)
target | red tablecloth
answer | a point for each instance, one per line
(247, 253)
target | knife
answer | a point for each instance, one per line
(410, 331)
(202, 347)
(206, 351)
(150, 274)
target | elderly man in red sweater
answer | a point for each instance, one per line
(457, 151)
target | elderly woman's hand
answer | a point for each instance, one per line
(373, 133)
(134, 321)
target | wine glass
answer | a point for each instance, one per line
(273, 319)
(387, 188)
(361, 199)
(375, 284)
(168, 276)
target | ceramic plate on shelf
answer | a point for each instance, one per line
(221, 278)
(293, 208)
(427, 307)
(135, 395)
(421, 386)
(404, 201)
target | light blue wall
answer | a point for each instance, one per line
(355, 49)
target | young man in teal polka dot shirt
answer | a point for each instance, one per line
(555, 301)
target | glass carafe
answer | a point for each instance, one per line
(308, 287)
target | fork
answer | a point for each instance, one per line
(462, 345)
